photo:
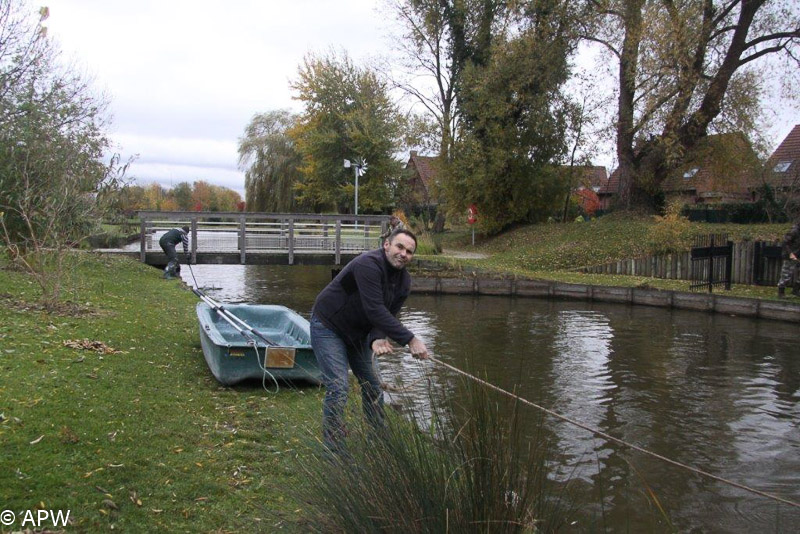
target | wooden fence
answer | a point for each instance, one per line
(679, 266)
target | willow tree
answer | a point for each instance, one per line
(687, 68)
(348, 114)
(270, 161)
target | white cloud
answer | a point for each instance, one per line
(185, 77)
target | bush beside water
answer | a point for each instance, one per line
(464, 467)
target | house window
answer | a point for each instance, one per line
(782, 166)
(690, 173)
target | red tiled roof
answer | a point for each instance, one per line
(711, 178)
(783, 166)
(721, 166)
(594, 177)
(424, 168)
(611, 186)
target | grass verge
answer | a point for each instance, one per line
(551, 251)
(142, 439)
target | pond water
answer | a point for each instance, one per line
(716, 392)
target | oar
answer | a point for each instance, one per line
(228, 315)
(222, 313)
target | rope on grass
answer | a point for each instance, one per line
(617, 440)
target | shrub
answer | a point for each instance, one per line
(450, 469)
(671, 233)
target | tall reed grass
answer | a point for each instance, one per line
(462, 467)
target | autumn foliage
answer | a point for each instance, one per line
(588, 201)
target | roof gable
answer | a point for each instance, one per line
(783, 166)
(425, 167)
(592, 177)
(724, 163)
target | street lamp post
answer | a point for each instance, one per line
(359, 168)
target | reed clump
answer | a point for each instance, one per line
(457, 467)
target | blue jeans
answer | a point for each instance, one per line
(334, 356)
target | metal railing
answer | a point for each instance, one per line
(256, 233)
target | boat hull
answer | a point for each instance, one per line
(231, 358)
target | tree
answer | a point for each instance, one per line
(182, 195)
(426, 45)
(686, 69)
(204, 196)
(348, 114)
(155, 196)
(511, 130)
(271, 162)
(132, 198)
(53, 180)
(588, 201)
(227, 199)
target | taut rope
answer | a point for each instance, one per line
(617, 440)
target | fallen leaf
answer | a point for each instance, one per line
(37, 440)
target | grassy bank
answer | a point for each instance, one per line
(553, 251)
(142, 438)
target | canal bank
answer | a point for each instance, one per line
(484, 284)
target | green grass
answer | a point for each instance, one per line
(553, 251)
(143, 439)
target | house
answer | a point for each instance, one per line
(721, 169)
(588, 176)
(782, 170)
(583, 178)
(609, 191)
(422, 176)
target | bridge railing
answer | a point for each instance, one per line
(243, 233)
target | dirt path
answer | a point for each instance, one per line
(464, 254)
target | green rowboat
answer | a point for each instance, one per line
(232, 357)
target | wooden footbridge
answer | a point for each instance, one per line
(262, 238)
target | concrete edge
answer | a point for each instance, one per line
(708, 302)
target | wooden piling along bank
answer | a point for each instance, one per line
(678, 266)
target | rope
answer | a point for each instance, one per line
(264, 369)
(617, 440)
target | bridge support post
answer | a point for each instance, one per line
(142, 242)
(291, 241)
(242, 241)
(338, 243)
(194, 240)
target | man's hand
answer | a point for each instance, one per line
(793, 256)
(381, 347)
(418, 349)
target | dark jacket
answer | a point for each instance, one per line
(175, 236)
(791, 242)
(363, 300)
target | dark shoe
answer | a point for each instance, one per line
(781, 292)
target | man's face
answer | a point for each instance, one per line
(399, 251)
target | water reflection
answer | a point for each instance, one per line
(716, 392)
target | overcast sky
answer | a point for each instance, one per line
(185, 77)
